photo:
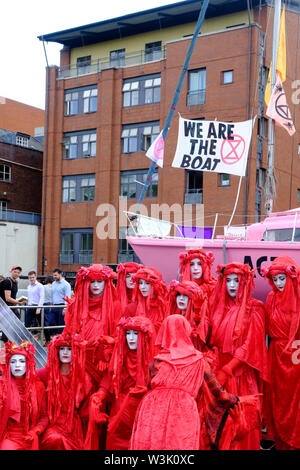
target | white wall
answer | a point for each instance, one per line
(18, 245)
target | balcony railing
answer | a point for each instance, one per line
(31, 218)
(196, 97)
(130, 59)
(66, 257)
(85, 257)
(193, 197)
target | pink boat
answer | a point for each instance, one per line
(278, 234)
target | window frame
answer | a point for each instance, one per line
(135, 90)
(222, 180)
(77, 188)
(3, 172)
(223, 77)
(76, 255)
(83, 100)
(78, 144)
(133, 136)
(137, 178)
(196, 96)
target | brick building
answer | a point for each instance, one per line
(20, 117)
(110, 97)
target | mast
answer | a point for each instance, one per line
(175, 97)
(270, 185)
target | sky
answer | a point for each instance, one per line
(22, 56)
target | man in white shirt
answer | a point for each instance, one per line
(36, 297)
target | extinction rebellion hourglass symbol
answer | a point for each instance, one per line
(232, 150)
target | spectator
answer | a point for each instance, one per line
(35, 298)
(60, 289)
(8, 293)
(47, 301)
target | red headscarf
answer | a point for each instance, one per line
(76, 375)
(123, 269)
(81, 300)
(176, 345)
(288, 300)
(137, 362)
(206, 258)
(221, 300)
(157, 297)
(10, 403)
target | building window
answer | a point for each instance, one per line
(3, 205)
(193, 187)
(298, 195)
(83, 64)
(21, 140)
(227, 77)
(117, 58)
(152, 51)
(124, 247)
(5, 173)
(224, 179)
(132, 183)
(79, 144)
(141, 90)
(197, 87)
(139, 137)
(76, 246)
(78, 188)
(81, 100)
(299, 149)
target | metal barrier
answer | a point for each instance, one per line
(42, 327)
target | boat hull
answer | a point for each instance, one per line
(163, 254)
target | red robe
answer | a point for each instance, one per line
(250, 349)
(57, 436)
(13, 438)
(283, 394)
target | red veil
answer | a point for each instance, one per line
(10, 402)
(155, 305)
(207, 259)
(283, 327)
(197, 311)
(78, 308)
(287, 300)
(123, 269)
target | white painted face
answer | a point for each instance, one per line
(18, 365)
(196, 268)
(144, 287)
(182, 301)
(129, 282)
(279, 281)
(232, 284)
(132, 339)
(97, 288)
(65, 354)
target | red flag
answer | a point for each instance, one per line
(278, 108)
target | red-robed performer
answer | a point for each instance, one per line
(238, 335)
(125, 284)
(186, 298)
(150, 294)
(167, 417)
(283, 327)
(126, 381)
(23, 403)
(93, 312)
(64, 374)
(196, 266)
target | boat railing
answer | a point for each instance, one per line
(144, 226)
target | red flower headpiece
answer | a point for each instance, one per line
(96, 272)
(206, 258)
(25, 349)
(142, 324)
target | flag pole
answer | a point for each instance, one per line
(270, 185)
(175, 97)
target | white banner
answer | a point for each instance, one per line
(214, 146)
